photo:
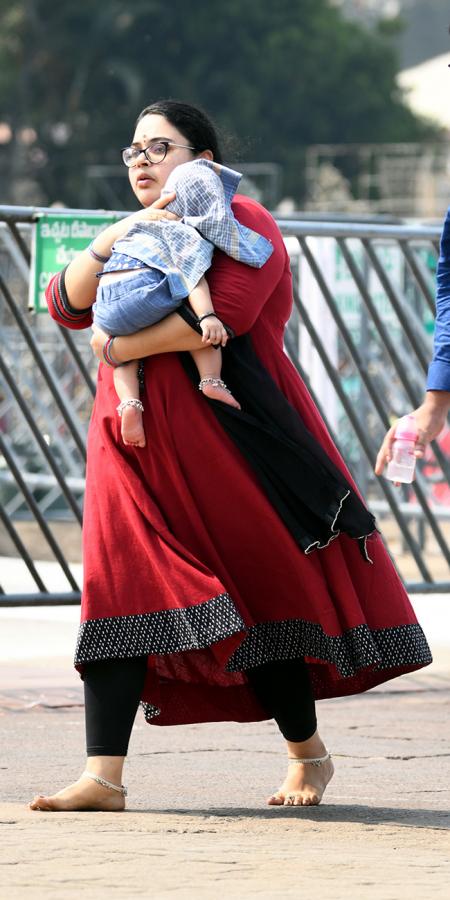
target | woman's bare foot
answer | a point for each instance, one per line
(84, 794)
(132, 428)
(215, 389)
(305, 783)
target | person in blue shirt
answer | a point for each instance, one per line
(157, 265)
(431, 415)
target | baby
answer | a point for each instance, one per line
(157, 264)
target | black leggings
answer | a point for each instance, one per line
(112, 690)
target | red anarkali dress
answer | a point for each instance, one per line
(186, 559)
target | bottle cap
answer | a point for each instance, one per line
(406, 429)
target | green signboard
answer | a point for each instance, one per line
(57, 238)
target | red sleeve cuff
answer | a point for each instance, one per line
(59, 307)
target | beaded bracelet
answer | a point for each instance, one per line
(106, 352)
(98, 256)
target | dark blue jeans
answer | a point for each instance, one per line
(126, 305)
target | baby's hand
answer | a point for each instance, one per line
(213, 331)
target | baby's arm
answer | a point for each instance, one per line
(209, 359)
(212, 328)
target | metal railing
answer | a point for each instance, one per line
(360, 336)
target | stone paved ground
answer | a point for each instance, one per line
(196, 824)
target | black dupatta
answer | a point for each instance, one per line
(312, 497)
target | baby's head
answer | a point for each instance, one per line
(198, 187)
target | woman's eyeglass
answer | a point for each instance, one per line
(154, 153)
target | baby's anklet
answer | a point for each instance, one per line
(215, 382)
(131, 402)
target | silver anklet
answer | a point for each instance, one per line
(114, 787)
(215, 382)
(131, 402)
(316, 761)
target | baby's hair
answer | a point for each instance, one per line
(191, 121)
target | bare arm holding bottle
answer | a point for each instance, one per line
(430, 418)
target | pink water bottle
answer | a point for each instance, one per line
(403, 462)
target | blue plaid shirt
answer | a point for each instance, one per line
(183, 250)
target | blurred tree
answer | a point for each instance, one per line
(279, 76)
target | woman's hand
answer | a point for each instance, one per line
(430, 419)
(153, 213)
(105, 240)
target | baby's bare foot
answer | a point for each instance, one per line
(215, 389)
(132, 428)
(304, 785)
(84, 794)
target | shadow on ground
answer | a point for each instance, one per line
(366, 815)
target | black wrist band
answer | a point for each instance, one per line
(206, 316)
(186, 313)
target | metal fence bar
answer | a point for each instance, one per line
(360, 363)
(76, 355)
(419, 272)
(362, 368)
(293, 356)
(382, 329)
(360, 230)
(41, 599)
(44, 368)
(53, 544)
(40, 480)
(420, 588)
(397, 304)
(23, 406)
(380, 406)
(412, 393)
(429, 516)
(22, 550)
(15, 252)
(376, 319)
(368, 448)
(40, 411)
(19, 241)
